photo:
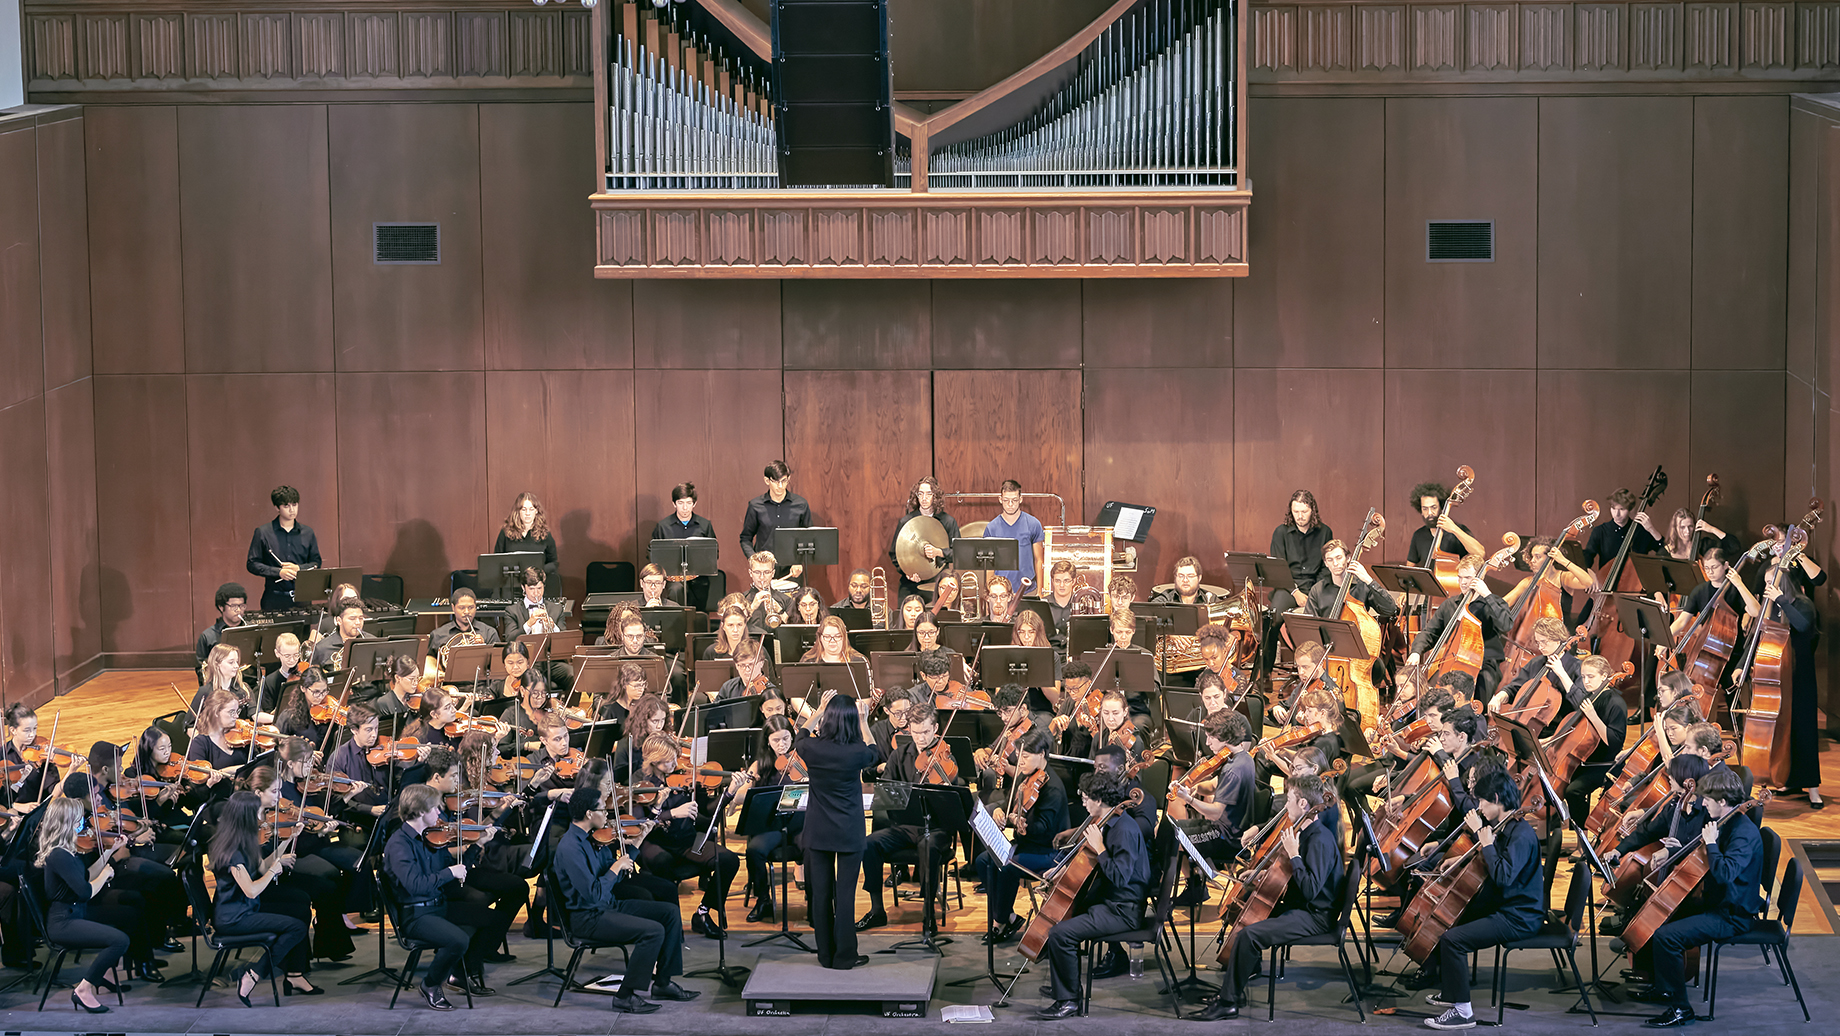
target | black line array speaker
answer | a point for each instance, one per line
(832, 106)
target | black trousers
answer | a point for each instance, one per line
(88, 934)
(290, 937)
(760, 877)
(1670, 945)
(127, 910)
(1456, 944)
(890, 840)
(831, 877)
(1589, 778)
(159, 887)
(290, 901)
(654, 933)
(1063, 946)
(1251, 942)
(327, 887)
(717, 875)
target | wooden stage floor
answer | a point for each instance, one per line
(116, 706)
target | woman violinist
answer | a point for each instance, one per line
(926, 638)
(223, 671)
(31, 769)
(324, 869)
(924, 758)
(520, 676)
(647, 719)
(210, 742)
(1115, 726)
(1035, 805)
(392, 703)
(245, 874)
(1308, 907)
(169, 807)
(519, 721)
(1115, 902)
(294, 716)
(629, 685)
(1031, 631)
(775, 766)
(676, 812)
(997, 763)
(432, 717)
(142, 864)
(74, 915)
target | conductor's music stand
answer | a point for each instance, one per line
(315, 584)
(501, 572)
(1026, 666)
(806, 547)
(688, 558)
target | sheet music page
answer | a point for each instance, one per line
(993, 837)
(1207, 868)
(1126, 527)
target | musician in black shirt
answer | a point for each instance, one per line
(231, 601)
(1607, 537)
(463, 930)
(1299, 542)
(685, 524)
(1738, 596)
(1428, 500)
(1035, 828)
(906, 764)
(1495, 618)
(280, 549)
(923, 500)
(329, 653)
(466, 606)
(771, 511)
(526, 530)
(1337, 570)
(1114, 902)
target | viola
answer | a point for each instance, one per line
(570, 765)
(336, 780)
(709, 776)
(245, 732)
(791, 768)
(1026, 793)
(936, 763)
(402, 750)
(288, 820)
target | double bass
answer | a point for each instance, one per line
(1356, 677)
(1769, 671)
(1538, 597)
(1616, 644)
(1444, 565)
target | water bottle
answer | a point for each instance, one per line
(1137, 959)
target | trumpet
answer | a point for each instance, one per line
(878, 598)
(540, 622)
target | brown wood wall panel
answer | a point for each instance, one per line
(715, 325)
(1738, 420)
(1319, 430)
(858, 325)
(22, 352)
(1740, 231)
(76, 602)
(1164, 437)
(1173, 322)
(406, 163)
(412, 475)
(993, 425)
(566, 436)
(1006, 325)
(63, 251)
(1468, 158)
(1432, 427)
(146, 582)
(1316, 231)
(858, 440)
(131, 169)
(1600, 430)
(254, 212)
(234, 424)
(537, 238)
(25, 579)
(1806, 135)
(932, 51)
(718, 429)
(1826, 310)
(1616, 189)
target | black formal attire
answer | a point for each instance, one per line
(1700, 596)
(446, 632)
(327, 650)
(1034, 849)
(234, 913)
(1303, 552)
(1497, 622)
(1732, 896)
(1797, 612)
(212, 635)
(559, 674)
(1324, 592)
(1536, 669)
(524, 543)
(1419, 553)
(662, 853)
(1594, 773)
(1601, 548)
(72, 920)
(433, 910)
(325, 875)
(1114, 904)
(1310, 907)
(764, 518)
(29, 788)
(908, 586)
(1512, 906)
(695, 593)
(297, 545)
(905, 828)
(653, 931)
(834, 841)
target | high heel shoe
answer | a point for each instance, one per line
(77, 1002)
(109, 987)
(288, 988)
(240, 994)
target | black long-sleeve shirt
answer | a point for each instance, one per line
(524, 543)
(1376, 600)
(944, 519)
(1497, 622)
(420, 873)
(1303, 551)
(1681, 820)
(209, 638)
(1420, 552)
(67, 887)
(1607, 538)
(1536, 668)
(1122, 877)
(1513, 865)
(1702, 595)
(1316, 870)
(1047, 819)
(587, 884)
(764, 517)
(297, 545)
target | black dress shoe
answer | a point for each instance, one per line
(861, 960)
(1634, 975)
(498, 957)
(980, 888)
(872, 919)
(170, 946)
(1423, 978)
(705, 924)
(372, 917)
(109, 987)
(478, 989)
(1219, 1010)
(760, 911)
(100, 1008)
(1114, 965)
(1672, 1018)
(288, 988)
(632, 1003)
(146, 971)
(673, 992)
(1651, 995)
(1389, 920)
(1058, 1010)
(896, 875)
(435, 999)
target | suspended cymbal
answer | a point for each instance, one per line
(908, 548)
(973, 530)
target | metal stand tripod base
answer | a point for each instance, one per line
(549, 964)
(382, 970)
(191, 977)
(792, 938)
(731, 977)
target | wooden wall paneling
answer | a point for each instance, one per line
(1826, 310)
(542, 312)
(1616, 184)
(1461, 158)
(1601, 430)
(719, 325)
(1164, 437)
(406, 163)
(1025, 424)
(247, 434)
(1740, 231)
(932, 51)
(254, 210)
(1287, 437)
(718, 429)
(1315, 297)
(566, 436)
(857, 325)
(1806, 136)
(1157, 322)
(1737, 421)
(131, 169)
(1006, 324)
(25, 577)
(22, 343)
(63, 251)
(412, 475)
(76, 603)
(857, 441)
(1432, 428)
(144, 535)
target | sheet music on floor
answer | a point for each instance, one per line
(1188, 845)
(992, 835)
(974, 1013)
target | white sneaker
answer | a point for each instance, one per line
(1452, 1020)
(1437, 1000)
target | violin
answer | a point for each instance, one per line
(288, 820)
(988, 758)
(465, 800)
(196, 770)
(403, 750)
(41, 749)
(937, 766)
(708, 775)
(244, 732)
(791, 768)
(329, 711)
(337, 780)
(463, 724)
(453, 834)
(519, 769)
(570, 765)
(1026, 794)
(136, 786)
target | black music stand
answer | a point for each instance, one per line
(471, 663)
(657, 673)
(1666, 575)
(968, 638)
(1180, 723)
(1339, 636)
(815, 545)
(689, 557)
(1128, 671)
(731, 714)
(1087, 633)
(1411, 579)
(805, 679)
(1027, 666)
(942, 807)
(1040, 607)
(372, 659)
(969, 727)
(1264, 570)
(855, 619)
(1648, 619)
(500, 572)
(712, 673)
(546, 646)
(1129, 522)
(315, 584)
(793, 640)
(989, 555)
(596, 608)
(891, 669)
(1168, 620)
(871, 642)
(761, 813)
(668, 624)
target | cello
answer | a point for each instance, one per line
(1538, 701)
(1461, 645)
(1769, 671)
(1067, 880)
(1267, 882)
(1444, 565)
(1537, 597)
(1676, 883)
(1615, 643)
(1707, 645)
(1356, 678)
(1440, 904)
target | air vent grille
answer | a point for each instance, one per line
(406, 244)
(1459, 241)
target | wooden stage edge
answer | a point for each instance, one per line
(115, 706)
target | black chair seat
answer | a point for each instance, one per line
(1761, 933)
(1555, 934)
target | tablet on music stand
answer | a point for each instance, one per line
(686, 558)
(1338, 635)
(871, 642)
(668, 624)
(811, 546)
(894, 669)
(505, 572)
(794, 639)
(1263, 569)
(315, 584)
(1027, 666)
